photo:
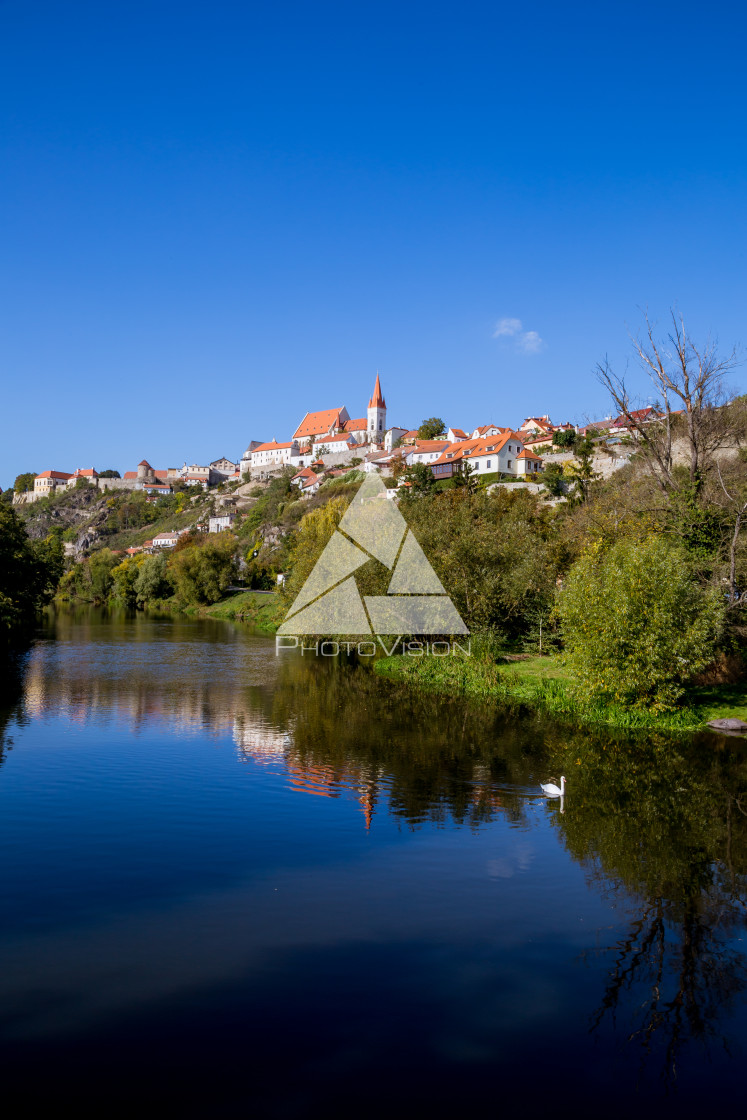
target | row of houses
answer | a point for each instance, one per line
(332, 437)
(150, 479)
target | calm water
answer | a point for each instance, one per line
(240, 884)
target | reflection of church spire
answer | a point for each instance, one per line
(367, 800)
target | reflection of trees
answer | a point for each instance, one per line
(662, 822)
(430, 759)
(336, 728)
(13, 663)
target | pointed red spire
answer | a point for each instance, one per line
(377, 400)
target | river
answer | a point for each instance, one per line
(232, 880)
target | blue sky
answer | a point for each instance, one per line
(217, 216)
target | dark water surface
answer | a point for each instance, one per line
(237, 884)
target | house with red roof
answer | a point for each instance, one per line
(274, 454)
(424, 451)
(503, 453)
(48, 482)
(335, 445)
(307, 481)
(627, 422)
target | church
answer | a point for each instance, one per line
(318, 426)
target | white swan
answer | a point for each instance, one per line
(551, 790)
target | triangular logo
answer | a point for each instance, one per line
(416, 602)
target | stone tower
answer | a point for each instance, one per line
(376, 414)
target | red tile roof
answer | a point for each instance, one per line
(467, 449)
(525, 454)
(638, 415)
(54, 474)
(341, 438)
(423, 445)
(273, 445)
(317, 423)
(130, 474)
(355, 425)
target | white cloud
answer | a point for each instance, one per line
(530, 342)
(527, 342)
(507, 327)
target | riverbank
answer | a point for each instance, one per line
(542, 683)
(256, 608)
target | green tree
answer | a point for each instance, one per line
(433, 428)
(491, 551)
(636, 625)
(24, 482)
(552, 479)
(29, 571)
(581, 470)
(312, 535)
(124, 578)
(420, 477)
(109, 474)
(565, 438)
(465, 478)
(153, 580)
(203, 572)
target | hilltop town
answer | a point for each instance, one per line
(329, 443)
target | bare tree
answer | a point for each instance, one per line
(691, 396)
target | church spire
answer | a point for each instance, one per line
(377, 400)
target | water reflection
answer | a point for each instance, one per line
(658, 824)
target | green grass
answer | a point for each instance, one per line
(543, 683)
(260, 610)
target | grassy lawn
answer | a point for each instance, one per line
(256, 607)
(543, 682)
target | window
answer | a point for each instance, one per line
(487, 465)
(508, 464)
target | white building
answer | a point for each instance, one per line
(424, 451)
(392, 436)
(334, 445)
(165, 540)
(220, 522)
(274, 454)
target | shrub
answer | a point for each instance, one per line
(636, 625)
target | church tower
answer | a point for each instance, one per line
(376, 414)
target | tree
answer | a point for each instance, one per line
(690, 389)
(433, 428)
(552, 479)
(313, 532)
(491, 551)
(29, 571)
(24, 482)
(203, 572)
(124, 578)
(153, 581)
(420, 477)
(109, 474)
(464, 479)
(636, 624)
(565, 438)
(581, 471)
